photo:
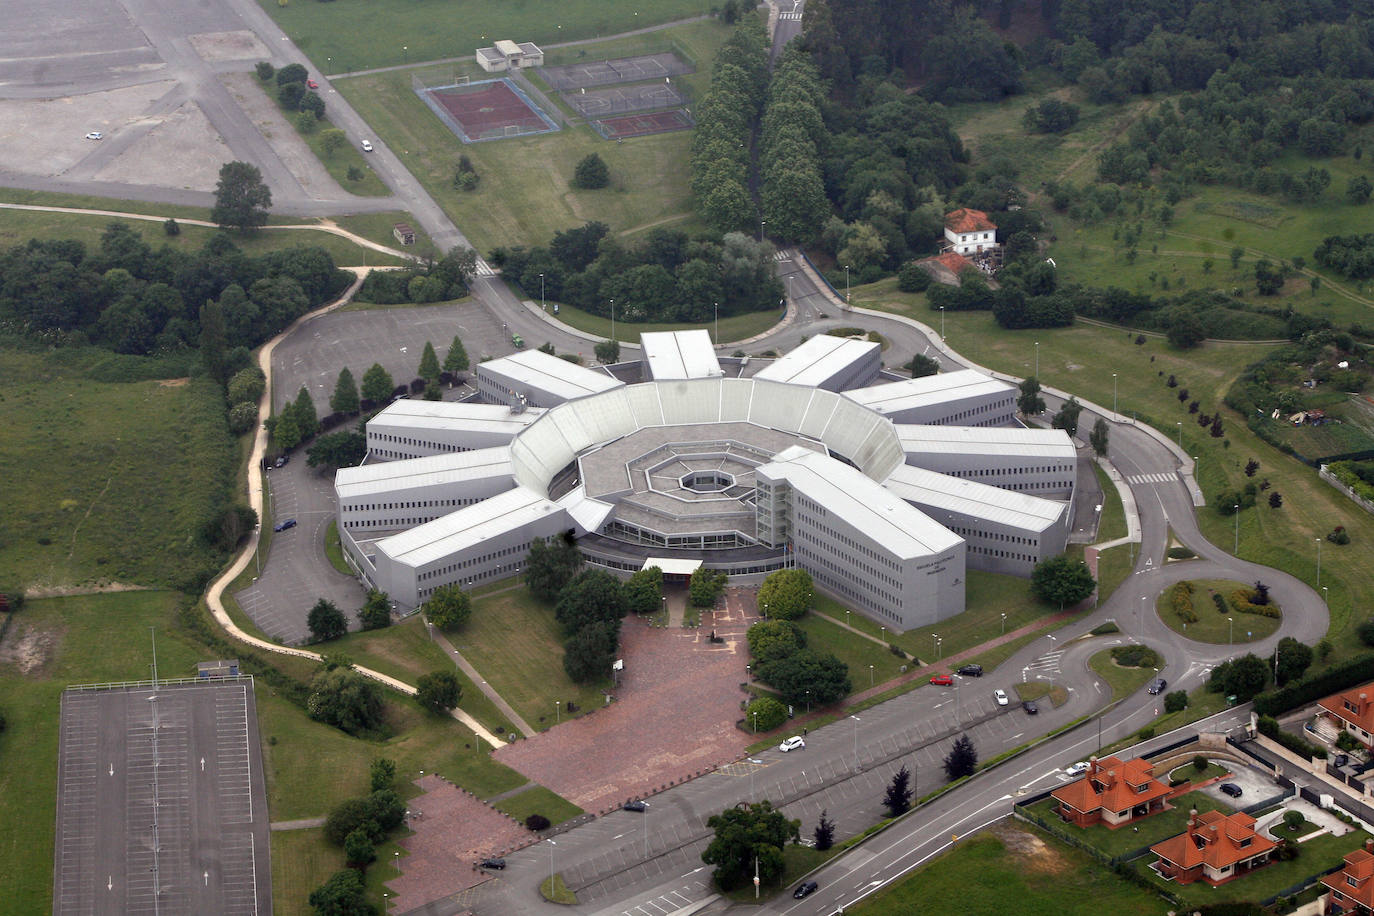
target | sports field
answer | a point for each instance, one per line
(488, 110)
(639, 125)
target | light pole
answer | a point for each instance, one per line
(1236, 509)
(934, 643)
(856, 741)
(1140, 618)
(846, 616)
(808, 702)
(939, 648)
(1037, 359)
(1326, 598)
(756, 723)
(870, 675)
(942, 323)
(552, 844)
(1113, 392)
(715, 308)
(543, 303)
(846, 283)
(884, 629)
(1179, 424)
(1319, 562)
(1004, 623)
(557, 711)
(762, 223)
(612, 319)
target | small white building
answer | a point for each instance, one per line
(832, 363)
(965, 398)
(671, 355)
(415, 429)
(401, 494)
(509, 55)
(539, 379)
(969, 232)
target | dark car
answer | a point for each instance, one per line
(634, 806)
(803, 889)
(1231, 789)
(1030, 707)
(1157, 686)
(1340, 760)
(971, 671)
(282, 526)
(498, 864)
(281, 461)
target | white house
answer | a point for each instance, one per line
(509, 55)
(969, 232)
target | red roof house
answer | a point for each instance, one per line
(969, 231)
(1353, 710)
(1215, 848)
(1113, 792)
(1352, 888)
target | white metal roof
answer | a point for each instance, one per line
(928, 390)
(938, 492)
(679, 354)
(506, 46)
(819, 359)
(672, 566)
(589, 514)
(434, 470)
(547, 373)
(983, 440)
(454, 415)
(467, 528)
(887, 520)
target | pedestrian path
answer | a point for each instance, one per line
(466, 667)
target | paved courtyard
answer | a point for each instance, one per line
(673, 717)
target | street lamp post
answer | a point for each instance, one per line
(942, 322)
(1319, 562)
(612, 319)
(552, 844)
(543, 302)
(846, 283)
(715, 310)
(856, 741)
(808, 702)
(934, 643)
(1230, 630)
(1037, 359)
(1326, 598)
(557, 712)
(1179, 424)
(762, 223)
(1004, 623)
(1236, 510)
(756, 723)
(870, 675)
(1114, 392)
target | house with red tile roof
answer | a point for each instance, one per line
(969, 232)
(1353, 711)
(1215, 848)
(1113, 792)
(1352, 888)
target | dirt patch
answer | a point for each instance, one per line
(29, 649)
(1030, 851)
(46, 136)
(66, 591)
(174, 382)
(175, 149)
(243, 45)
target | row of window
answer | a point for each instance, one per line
(855, 546)
(623, 531)
(413, 504)
(521, 549)
(843, 586)
(810, 550)
(496, 571)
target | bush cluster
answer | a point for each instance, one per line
(1136, 657)
(1181, 597)
(1242, 601)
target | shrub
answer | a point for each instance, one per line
(1339, 536)
(1199, 762)
(1145, 734)
(265, 70)
(912, 279)
(765, 714)
(1243, 600)
(171, 227)
(1176, 701)
(591, 173)
(1136, 657)
(537, 822)
(1181, 597)
(1105, 628)
(1180, 553)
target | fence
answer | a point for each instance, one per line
(1360, 501)
(161, 682)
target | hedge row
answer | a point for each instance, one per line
(1181, 597)
(1357, 671)
(1269, 727)
(1242, 603)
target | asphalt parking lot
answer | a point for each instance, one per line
(1256, 787)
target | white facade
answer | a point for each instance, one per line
(969, 232)
(965, 398)
(832, 363)
(1041, 462)
(678, 355)
(1005, 531)
(539, 379)
(509, 55)
(401, 494)
(416, 429)
(859, 541)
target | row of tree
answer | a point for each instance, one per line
(429, 281)
(726, 117)
(791, 188)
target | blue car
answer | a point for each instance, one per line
(282, 526)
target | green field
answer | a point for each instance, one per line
(524, 195)
(356, 34)
(515, 643)
(1011, 868)
(81, 459)
(1123, 681)
(858, 652)
(1213, 626)
(538, 800)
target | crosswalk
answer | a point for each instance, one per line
(794, 16)
(484, 269)
(785, 255)
(1047, 664)
(1152, 478)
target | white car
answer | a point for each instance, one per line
(95, 135)
(367, 146)
(1078, 769)
(1001, 697)
(791, 744)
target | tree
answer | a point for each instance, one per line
(1293, 819)
(358, 849)
(374, 814)
(345, 699)
(292, 73)
(746, 835)
(705, 587)
(764, 714)
(382, 774)
(786, 594)
(1067, 417)
(377, 384)
(922, 365)
(286, 432)
(429, 364)
(807, 674)
(1062, 581)
(590, 597)
(246, 385)
(911, 278)
(326, 621)
(644, 591)
(304, 410)
(375, 614)
(265, 70)
(1186, 332)
(1251, 467)
(897, 798)
(448, 608)
(438, 691)
(1275, 500)
(589, 653)
(1268, 278)
(1293, 660)
(342, 895)
(1098, 438)
(1052, 116)
(1176, 701)
(241, 197)
(962, 759)
(1358, 190)
(824, 834)
(770, 640)
(333, 140)
(1029, 402)
(456, 360)
(345, 397)
(344, 449)
(213, 341)
(550, 565)
(1239, 677)
(607, 351)
(591, 173)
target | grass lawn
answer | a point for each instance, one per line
(524, 195)
(334, 550)
(1011, 868)
(538, 800)
(1035, 690)
(377, 227)
(1194, 775)
(106, 481)
(1123, 681)
(1316, 856)
(736, 327)
(797, 860)
(1151, 830)
(375, 33)
(517, 646)
(1212, 626)
(1112, 524)
(302, 860)
(856, 651)
(553, 889)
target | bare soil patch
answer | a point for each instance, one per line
(29, 648)
(240, 45)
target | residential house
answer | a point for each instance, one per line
(1113, 792)
(1353, 711)
(1352, 888)
(1215, 848)
(969, 232)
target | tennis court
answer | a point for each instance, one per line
(486, 110)
(617, 70)
(640, 125)
(644, 97)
